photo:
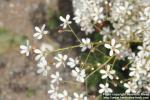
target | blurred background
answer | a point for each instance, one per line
(18, 78)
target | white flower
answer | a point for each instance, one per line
(64, 96)
(79, 96)
(113, 47)
(131, 56)
(56, 78)
(131, 87)
(105, 88)
(40, 54)
(61, 59)
(143, 50)
(87, 12)
(65, 21)
(86, 44)
(53, 92)
(77, 18)
(136, 71)
(24, 49)
(79, 74)
(40, 32)
(106, 33)
(43, 67)
(107, 73)
(98, 15)
(72, 62)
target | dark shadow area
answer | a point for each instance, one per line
(65, 7)
(39, 16)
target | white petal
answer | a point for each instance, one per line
(89, 46)
(62, 19)
(127, 91)
(40, 37)
(104, 76)
(60, 56)
(53, 76)
(111, 77)
(65, 57)
(37, 57)
(37, 51)
(76, 95)
(69, 22)
(101, 85)
(64, 26)
(111, 53)
(43, 27)
(107, 46)
(140, 47)
(57, 73)
(77, 69)
(71, 59)
(110, 90)
(67, 17)
(102, 71)
(36, 34)
(23, 47)
(117, 51)
(112, 71)
(69, 63)
(101, 90)
(45, 73)
(45, 32)
(23, 51)
(83, 49)
(40, 70)
(58, 64)
(27, 53)
(56, 58)
(126, 85)
(132, 73)
(74, 73)
(113, 42)
(37, 29)
(83, 40)
(107, 85)
(88, 40)
(118, 46)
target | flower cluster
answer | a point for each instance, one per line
(60, 60)
(129, 22)
(123, 27)
(87, 13)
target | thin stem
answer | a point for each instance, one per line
(72, 47)
(89, 54)
(86, 59)
(98, 68)
(113, 63)
(74, 33)
(125, 80)
(101, 52)
(66, 48)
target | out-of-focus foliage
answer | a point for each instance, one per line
(8, 41)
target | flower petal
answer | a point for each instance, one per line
(113, 42)
(107, 46)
